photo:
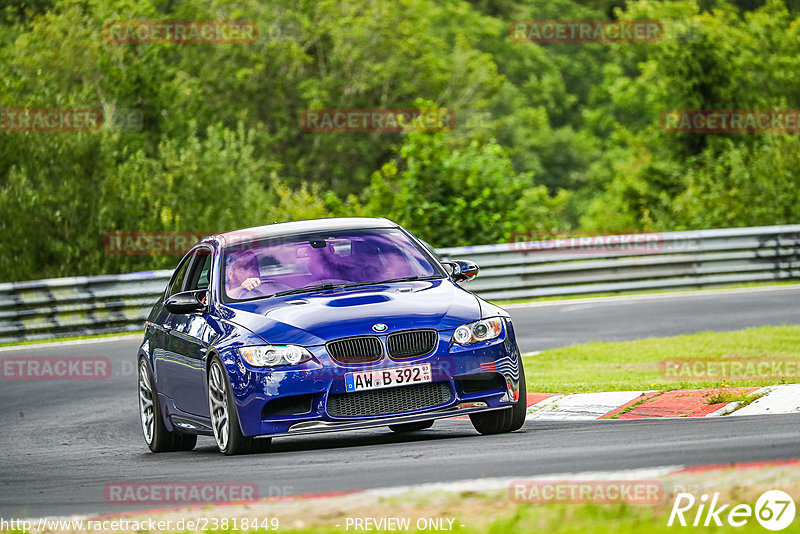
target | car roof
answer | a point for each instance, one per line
(300, 227)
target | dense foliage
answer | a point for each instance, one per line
(547, 136)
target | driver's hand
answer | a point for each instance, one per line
(251, 283)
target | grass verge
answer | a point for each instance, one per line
(72, 338)
(491, 510)
(636, 365)
(651, 292)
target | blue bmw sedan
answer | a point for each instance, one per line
(320, 326)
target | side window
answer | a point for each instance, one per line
(179, 276)
(201, 271)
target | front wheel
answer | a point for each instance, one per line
(225, 417)
(507, 420)
(156, 435)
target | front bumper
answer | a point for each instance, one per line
(294, 400)
(315, 427)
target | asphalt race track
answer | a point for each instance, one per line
(63, 441)
(558, 324)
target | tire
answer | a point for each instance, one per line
(156, 435)
(225, 417)
(410, 427)
(508, 420)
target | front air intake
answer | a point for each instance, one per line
(411, 343)
(361, 349)
(389, 401)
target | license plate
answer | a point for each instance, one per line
(387, 378)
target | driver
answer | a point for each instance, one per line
(242, 274)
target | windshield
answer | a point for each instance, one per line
(321, 261)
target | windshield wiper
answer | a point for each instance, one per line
(318, 287)
(331, 285)
(357, 284)
(305, 289)
(409, 279)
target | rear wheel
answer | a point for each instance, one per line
(225, 417)
(507, 420)
(410, 427)
(156, 435)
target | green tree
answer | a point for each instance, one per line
(463, 195)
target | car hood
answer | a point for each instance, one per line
(315, 318)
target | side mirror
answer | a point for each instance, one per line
(462, 270)
(187, 302)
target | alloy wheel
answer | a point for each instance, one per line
(218, 405)
(146, 405)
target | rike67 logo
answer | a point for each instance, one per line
(774, 510)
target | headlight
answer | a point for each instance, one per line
(274, 355)
(483, 330)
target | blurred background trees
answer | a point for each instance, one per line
(550, 136)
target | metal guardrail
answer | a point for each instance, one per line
(600, 264)
(82, 305)
(609, 264)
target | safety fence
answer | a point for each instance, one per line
(523, 269)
